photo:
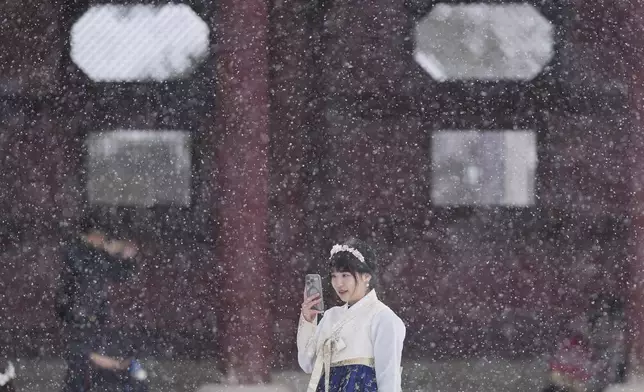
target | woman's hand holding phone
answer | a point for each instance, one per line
(308, 313)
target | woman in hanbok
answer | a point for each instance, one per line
(357, 346)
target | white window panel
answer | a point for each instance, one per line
(139, 167)
(484, 42)
(471, 167)
(141, 42)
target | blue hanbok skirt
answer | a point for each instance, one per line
(350, 378)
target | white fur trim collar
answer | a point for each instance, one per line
(8, 375)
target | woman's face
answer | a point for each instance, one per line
(350, 289)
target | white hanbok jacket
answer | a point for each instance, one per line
(366, 333)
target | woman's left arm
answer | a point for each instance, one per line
(388, 335)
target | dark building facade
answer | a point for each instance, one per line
(311, 122)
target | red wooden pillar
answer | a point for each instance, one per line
(633, 42)
(242, 159)
(295, 109)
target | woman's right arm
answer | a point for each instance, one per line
(307, 334)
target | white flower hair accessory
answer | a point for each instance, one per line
(8, 375)
(346, 248)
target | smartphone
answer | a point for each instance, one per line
(312, 286)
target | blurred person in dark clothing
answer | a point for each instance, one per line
(592, 354)
(91, 261)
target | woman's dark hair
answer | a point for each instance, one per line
(344, 261)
